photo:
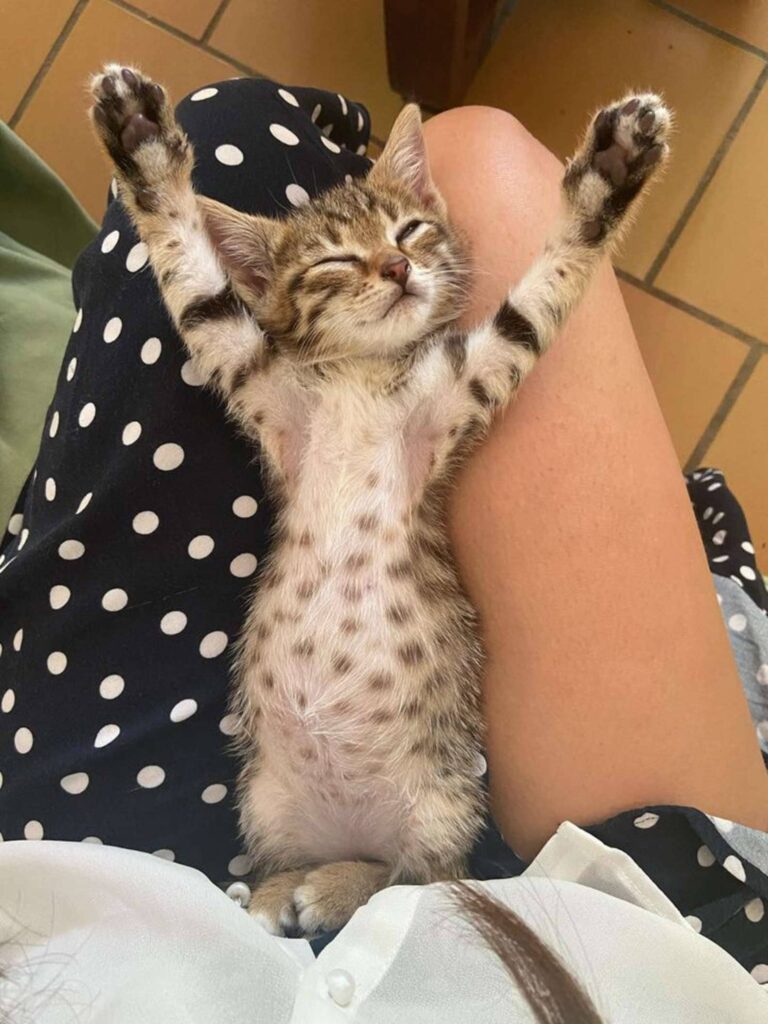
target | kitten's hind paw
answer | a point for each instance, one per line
(624, 146)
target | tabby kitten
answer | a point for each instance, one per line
(331, 336)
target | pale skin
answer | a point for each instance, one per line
(610, 680)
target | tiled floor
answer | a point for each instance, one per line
(695, 269)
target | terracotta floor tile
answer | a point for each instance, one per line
(720, 262)
(554, 62)
(191, 16)
(335, 45)
(739, 450)
(746, 19)
(690, 364)
(55, 125)
(28, 32)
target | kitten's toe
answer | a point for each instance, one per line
(272, 906)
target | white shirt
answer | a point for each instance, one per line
(100, 935)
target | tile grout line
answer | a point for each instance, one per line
(729, 399)
(699, 314)
(720, 33)
(48, 60)
(706, 178)
(214, 22)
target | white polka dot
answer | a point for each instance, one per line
(746, 546)
(283, 134)
(343, 103)
(714, 487)
(150, 351)
(717, 518)
(110, 241)
(16, 522)
(18, 639)
(242, 566)
(705, 857)
(145, 523)
(360, 121)
(94, 840)
(107, 734)
(204, 94)
(131, 432)
(33, 830)
(239, 865)
(151, 776)
(200, 547)
(212, 644)
(719, 537)
(245, 506)
(229, 155)
(75, 783)
(114, 600)
(190, 375)
(71, 367)
(54, 427)
(722, 824)
(229, 725)
(87, 414)
(23, 740)
(111, 687)
(113, 187)
(361, 149)
(112, 329)
(213, 794)
(694, 922)
(747, 572)
(734, 866)
(58, 596)
(70, 550)
(316, 113)
(57, 662)
(8, 701)
(329, 144)
(737, 580)
(137, 257)
(50, 489)
(84, 502)
(480, 765)
(78, 321)
(168, 456)
(296, 195)
(762, 731)
(720, 558)
(173, 623)
(738, 623)
(647, 820)
(23, 538)
(755, 910)
(348, 178)
(708, 512)
(760, 973)
(183, 710)
(168, 855)
(762, 675)
(288, 97)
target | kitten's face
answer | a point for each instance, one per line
(367, 269)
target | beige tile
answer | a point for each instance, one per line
(27, 34)
(739, 450)
(191, 16)
(746, 19)
(55, 124)
(691, 364)
(334, 45)
(554, 62)
(720, 261)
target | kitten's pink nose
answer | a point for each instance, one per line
(396, 268)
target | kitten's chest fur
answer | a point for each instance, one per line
(359, 662)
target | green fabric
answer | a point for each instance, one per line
(42, 230)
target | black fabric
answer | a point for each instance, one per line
(125, 573)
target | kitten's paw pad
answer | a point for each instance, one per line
(630, 138)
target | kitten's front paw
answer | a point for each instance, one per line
(134, 120)
(625, 145)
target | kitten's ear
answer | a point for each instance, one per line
(404, 160)
(244, 243)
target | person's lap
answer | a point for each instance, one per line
(116, 655)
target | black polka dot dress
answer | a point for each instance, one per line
(127, 564)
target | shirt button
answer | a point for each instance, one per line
(240, 893)
(341, 986)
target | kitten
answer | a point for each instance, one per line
(331, 336)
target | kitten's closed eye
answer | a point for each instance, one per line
(408, 230)
(339, 258)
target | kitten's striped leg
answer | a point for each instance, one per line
(153, 163)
